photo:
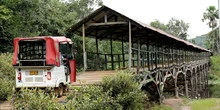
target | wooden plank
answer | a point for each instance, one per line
(91, 77)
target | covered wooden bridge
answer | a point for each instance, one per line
(169, 64)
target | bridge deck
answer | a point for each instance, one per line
(91, 77)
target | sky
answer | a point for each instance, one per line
(190, 11)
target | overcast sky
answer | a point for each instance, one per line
(190, 11)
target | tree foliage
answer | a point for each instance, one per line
(211, 14)
(27, 18)
(174, 27)
(178, 28)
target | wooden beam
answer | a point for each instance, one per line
(100, 20)
(107, 23)
(106, 33)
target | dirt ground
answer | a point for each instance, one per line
(5, 105)
(176, 104)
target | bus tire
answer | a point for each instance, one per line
(60, 90)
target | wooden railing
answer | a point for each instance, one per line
(100, 61)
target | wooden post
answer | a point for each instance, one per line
(106, 63)
(123, 55)
(186, 89)
(148, 56)
(138, 56)
(132, 55)
(97, 54)
(196, 83)
(172, 55)
(176, 92)
(168, 58)
(162, 56)
(155, 56)
(84, 48)
(192, 86)
(112, 57)
(129, 54)
(119, 61)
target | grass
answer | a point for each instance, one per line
(205, 104)
(214, 77)
(160, 107)
(215, 68)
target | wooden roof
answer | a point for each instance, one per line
(106, 23)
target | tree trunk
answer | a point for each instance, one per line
(217, 42)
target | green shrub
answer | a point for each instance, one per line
(119, 92)
(213, 77)
(7, 76)
(91, 98)
(6, 68)
(125, 90)
(27, 99)
(6, 88)
(215, 90)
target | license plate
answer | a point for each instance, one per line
(33, 72)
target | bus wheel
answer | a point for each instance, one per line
(60, 90)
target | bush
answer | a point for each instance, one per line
(7, 76)
(6, 88)
(27, 99)
(91, 98)
(125, 90)
(119, 92)
(215, 90)
(6, 68)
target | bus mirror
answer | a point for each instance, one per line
(70, 45)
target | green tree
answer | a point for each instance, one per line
(192, 41)
(174, 27)
(27, 18)
(159, 25)
(211, 14)
(178, 28)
